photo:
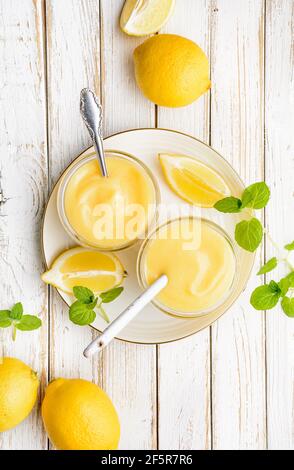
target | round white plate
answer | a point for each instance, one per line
(151, 325)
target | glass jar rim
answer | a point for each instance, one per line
(70, 171)
(143, 283)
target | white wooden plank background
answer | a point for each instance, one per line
(230, 386)
(238, 367)
(279, 171)
(185, 411)
(23, 191)
(129, 371)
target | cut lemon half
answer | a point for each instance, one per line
(83, 267)
(143, 17)
(192, 180)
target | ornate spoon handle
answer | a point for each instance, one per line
(91, 112)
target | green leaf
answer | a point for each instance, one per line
(290, 278)
(92, 305)
(228, 204)
(83, 294)
(264, 297)
(256, 195)
(274, 286)
(289, 246)
(288, 306)
(111, 294)
(80, 314)
(268, 266)
(5, 321)
(16, 311)
(284, 285)
(4, 314)
(28, 323)
(248, 234)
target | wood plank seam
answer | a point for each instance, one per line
(264, 220)
(44, 19)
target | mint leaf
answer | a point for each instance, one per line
(290, 278)
(284, 285)
(83, 294)
(4, 314)
(256, 195)
(274, 286)
(92, 305)
(5, 321)
(28, 323)
(80, 314)
(111, 294)
(248, 234)
(265, 297)
(289, 246)
(16, 311)
(268, 266)
(228, 204)
(288, 306)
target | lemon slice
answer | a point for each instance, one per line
(83, 267)
(142, 17)
(192, 180)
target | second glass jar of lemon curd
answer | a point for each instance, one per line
(107, 213)
(199, 259)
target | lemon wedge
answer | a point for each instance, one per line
(83, 267)
(192, 180)
(143, 17)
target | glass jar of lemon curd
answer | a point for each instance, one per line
(107, 213)
(199, 259)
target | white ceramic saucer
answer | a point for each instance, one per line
(151, 325)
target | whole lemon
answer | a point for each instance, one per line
(18, 392)
(78, 415)
(171, 70)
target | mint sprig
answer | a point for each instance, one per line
(82, 311)
(18, 321)
(266, 297)
(282, 290)
(249, 234)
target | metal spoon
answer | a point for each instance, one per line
(91, 112)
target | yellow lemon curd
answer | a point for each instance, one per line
(198, 260)
(110, 212)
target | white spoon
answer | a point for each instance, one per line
(125, 317)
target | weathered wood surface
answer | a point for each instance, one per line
(230, 386)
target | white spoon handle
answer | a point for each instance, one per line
(125, 317)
